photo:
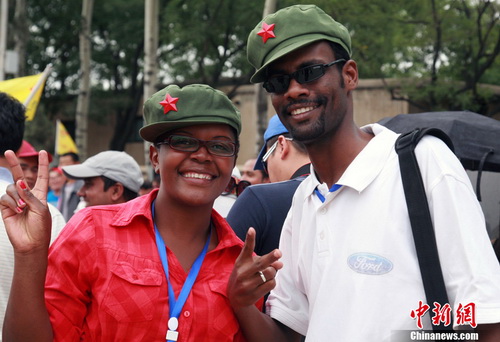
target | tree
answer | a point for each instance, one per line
(82, 105)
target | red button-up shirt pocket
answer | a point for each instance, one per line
(132, 293)
(223, 320)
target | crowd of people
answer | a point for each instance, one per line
(311, 239)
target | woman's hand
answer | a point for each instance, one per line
(24, 211)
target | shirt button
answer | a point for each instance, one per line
(322, 211)
(322, 235)
(187, 314)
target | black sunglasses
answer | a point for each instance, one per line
(182, 143)
(236, 187)
(279, 84)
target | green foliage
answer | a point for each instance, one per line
(203, 41)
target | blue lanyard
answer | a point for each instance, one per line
(175, 305)
(322, 198)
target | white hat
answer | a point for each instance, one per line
(115, 165)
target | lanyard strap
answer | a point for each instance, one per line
(322, 198)
(175, 305)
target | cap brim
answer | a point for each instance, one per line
(29, 155)
(287, 47)
(259, 165)
(79, 171)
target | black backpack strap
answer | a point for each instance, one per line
(420, 218)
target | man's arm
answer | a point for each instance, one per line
(246, 286)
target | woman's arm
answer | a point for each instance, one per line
(28, 224)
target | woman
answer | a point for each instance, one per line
(109, 275)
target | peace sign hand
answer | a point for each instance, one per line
(25, 212)
(253, 276)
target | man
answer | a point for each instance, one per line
(253, 176)
(69, 200)
(28, 158)
(265, 206)
(349, 270)
(109, 177)
(12, 118)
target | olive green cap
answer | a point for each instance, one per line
(195, 104)
(294, 27)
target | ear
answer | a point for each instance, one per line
(153, 157)
(283, 147)
(116, 192)
(350, 74)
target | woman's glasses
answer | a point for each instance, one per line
(279, 84)
(236, 187)
(182, 143)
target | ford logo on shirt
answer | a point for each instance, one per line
(368, 263)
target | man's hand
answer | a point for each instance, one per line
(253, 276)
(25, 213)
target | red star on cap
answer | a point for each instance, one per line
(169, 103)
(266, 32)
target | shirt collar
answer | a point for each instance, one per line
(367, 164)
(302, 171)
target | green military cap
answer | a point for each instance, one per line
(289, 29)
(175, 107)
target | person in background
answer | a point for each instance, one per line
(109, 177)
(265, 206)
(28, 158)
(116, 271)
(347, 246)
(69, 199)
(56, 183)
(12, 118)
(253, 176)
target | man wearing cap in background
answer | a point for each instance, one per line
(28, 158)
(265, 206)
(350, 270)
(109, 177)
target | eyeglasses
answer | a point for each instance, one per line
(237, 187)
(269, 152)
(279, 84)
(182, 143)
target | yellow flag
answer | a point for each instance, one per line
(27, 90)
(64, 142)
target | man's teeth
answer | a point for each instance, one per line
(197, 175)
(301, 110)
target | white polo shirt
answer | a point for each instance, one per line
(350, 267)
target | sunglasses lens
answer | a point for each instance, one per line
(277, 84)
(309, 74)
(242, 185)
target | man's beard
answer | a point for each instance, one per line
(314, 129)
